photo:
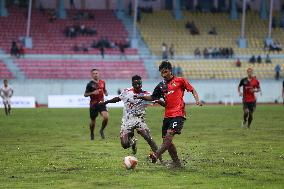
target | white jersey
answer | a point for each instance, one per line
(6, 92)
(133, 107)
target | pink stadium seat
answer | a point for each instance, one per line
(48, 38)
(5, 72)
(79, 69)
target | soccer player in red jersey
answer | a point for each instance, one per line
(250, 86)
(172, 91)
(96, 89)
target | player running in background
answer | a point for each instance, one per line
(283, 92)
(133, 116)
(172, 91)
(6, 92)
(250, 86)
(96, 89)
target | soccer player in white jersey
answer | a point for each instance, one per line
(6, 92)
(133, 116)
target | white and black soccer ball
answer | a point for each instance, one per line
(130, 162)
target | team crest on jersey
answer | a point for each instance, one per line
(174, 84)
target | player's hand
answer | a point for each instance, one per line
(198, 103)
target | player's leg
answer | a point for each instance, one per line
(124, 140)
(5, 107)
(104, 115)
(93, 116)
(251, 109)
(170, 128)
(9, 106)
(145, 133)
(246, 113)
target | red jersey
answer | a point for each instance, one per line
(173, 91)
(248, 87)
(93, 85)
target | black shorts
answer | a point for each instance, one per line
(96, 109)
(250, 106)
(174, 123)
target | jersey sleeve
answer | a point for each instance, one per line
(241, 83)
(157, 93)
(257, 84)
(104, 89)
(88, 88)
(187, 86)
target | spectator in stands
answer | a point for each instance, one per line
(238, 63)
(231, 52)
(164, 51)
(102, 51)
(22, 50)
(192, 28)
(92, 31)
(206, 53)
(259, 60)
(197, 52)
(252, 59)
(14, 49)
(277, 71)
(82, 29)
(275, 46)
(212, 31)
(267, 59)
(121, 50)
(172, 51)
(127, 43)
(52, 16)
(72, 4)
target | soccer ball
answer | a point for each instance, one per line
(130, 162)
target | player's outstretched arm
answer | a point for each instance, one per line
(113, 100)
(161, 102)
(147, 98)
(196, 97)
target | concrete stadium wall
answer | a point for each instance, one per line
(211, 91)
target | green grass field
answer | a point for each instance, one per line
(50, 148)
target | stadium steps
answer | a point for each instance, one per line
(143, 49)
(17, 73)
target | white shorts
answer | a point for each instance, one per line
(6, 101)
(128, 125)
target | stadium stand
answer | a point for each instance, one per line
(224, 69)
(80, 69)
(5, 72)
(160, 27)
(48, 36)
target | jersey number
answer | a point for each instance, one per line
(174, 124)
